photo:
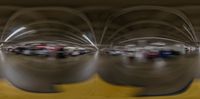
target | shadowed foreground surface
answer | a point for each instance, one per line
(110, 77)
(86, 90)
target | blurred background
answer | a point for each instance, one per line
(99, 49)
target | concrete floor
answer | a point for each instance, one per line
(99, 76)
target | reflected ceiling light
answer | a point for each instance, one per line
(131, 45)
(159, 38)
(149, 47)
(158, 44)
(90, 41)
(15, 32)
(27, 32)
(190, 33)
(186, 28)
(72, 48)
(179, 45)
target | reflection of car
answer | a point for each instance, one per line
(165, 53)
(10, 49)
(130, 54)
(115, 52)
(75, 53)
(60, 53)
(140, 55)
(57, 51)
(175, 52)
(19, 50)
(27, 52)
(152, 54)
(82, 52)
(42, 52)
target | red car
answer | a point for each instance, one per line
(152, 54)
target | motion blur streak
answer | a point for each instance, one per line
(14, 33)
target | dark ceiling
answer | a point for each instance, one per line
(114, 3)
(104, 21)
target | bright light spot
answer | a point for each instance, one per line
(15, 32)
(158, 44)
(90, 41)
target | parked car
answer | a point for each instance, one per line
(74, 53)
(19, 50)
(27, 52)
(60, 53)
(152, 54)
(175, 52)
(114, 52)
(165, 53)
(42, 52)
(130, 54)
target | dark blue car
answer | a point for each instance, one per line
(165, 54)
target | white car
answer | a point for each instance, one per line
(27, 52)
(75, 53)
(115, 52)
